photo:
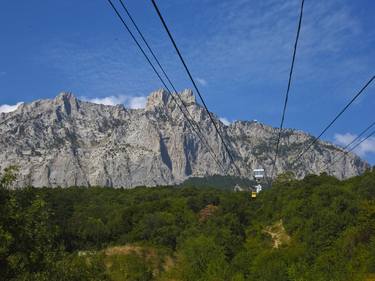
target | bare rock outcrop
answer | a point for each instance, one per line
(66, 141)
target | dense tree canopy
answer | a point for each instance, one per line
(318, 228)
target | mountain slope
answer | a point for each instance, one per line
(65, 141)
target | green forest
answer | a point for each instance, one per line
(318, 228)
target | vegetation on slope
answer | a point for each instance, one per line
(217, 182)
(326, 230)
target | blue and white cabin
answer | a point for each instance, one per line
(258, 174)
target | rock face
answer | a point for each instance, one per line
(65, 142)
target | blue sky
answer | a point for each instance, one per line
(239, 51)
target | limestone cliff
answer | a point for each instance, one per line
(66, 141)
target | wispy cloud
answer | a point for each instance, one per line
(99, 69)
(6, 108)
(257, 40)
(225, 121)
(366, 147)
(241, 40)
(129, 101)
(240, 46)
(201, 81)
(111, 100)
(137, 102)
(344, 139)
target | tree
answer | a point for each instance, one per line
(285, 178)
(130, 267)
(9, 176)
(27, 239)
(80, 268)
(201, 259)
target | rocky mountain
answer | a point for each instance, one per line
(66, 141)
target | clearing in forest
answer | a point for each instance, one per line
(278, 234)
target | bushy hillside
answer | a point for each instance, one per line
(318, 228)
(218, 182)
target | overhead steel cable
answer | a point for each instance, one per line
(354, 147)
(359, 136)
(158, 75)
(194, 84)
(167, 77)
(334, 120)
(353, 141)
(288, 88)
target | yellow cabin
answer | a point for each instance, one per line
(253, 194)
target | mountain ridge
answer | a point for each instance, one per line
(66, 141)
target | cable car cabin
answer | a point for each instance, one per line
(258, 174)
(253, 194)
(258, 188)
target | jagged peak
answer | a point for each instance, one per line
(65, 96)
(68, 102)
(188, 96)
(162, 97)
(157, 99)
(99, 145)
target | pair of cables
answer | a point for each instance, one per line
(183, 107)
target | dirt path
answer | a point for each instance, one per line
(278, 234)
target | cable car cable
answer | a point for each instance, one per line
(334, 119)
(167, 77)
(359, 136)
(288, 88)
(354, 147)
(153, 67)
(194, 84)
(353, 141)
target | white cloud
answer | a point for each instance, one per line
(367, 146)
(111, 100)
(201, 81)
(225, 121)
(254, 45)
(132, 102)
(5, 108)
(137, 102)
(344, 139)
